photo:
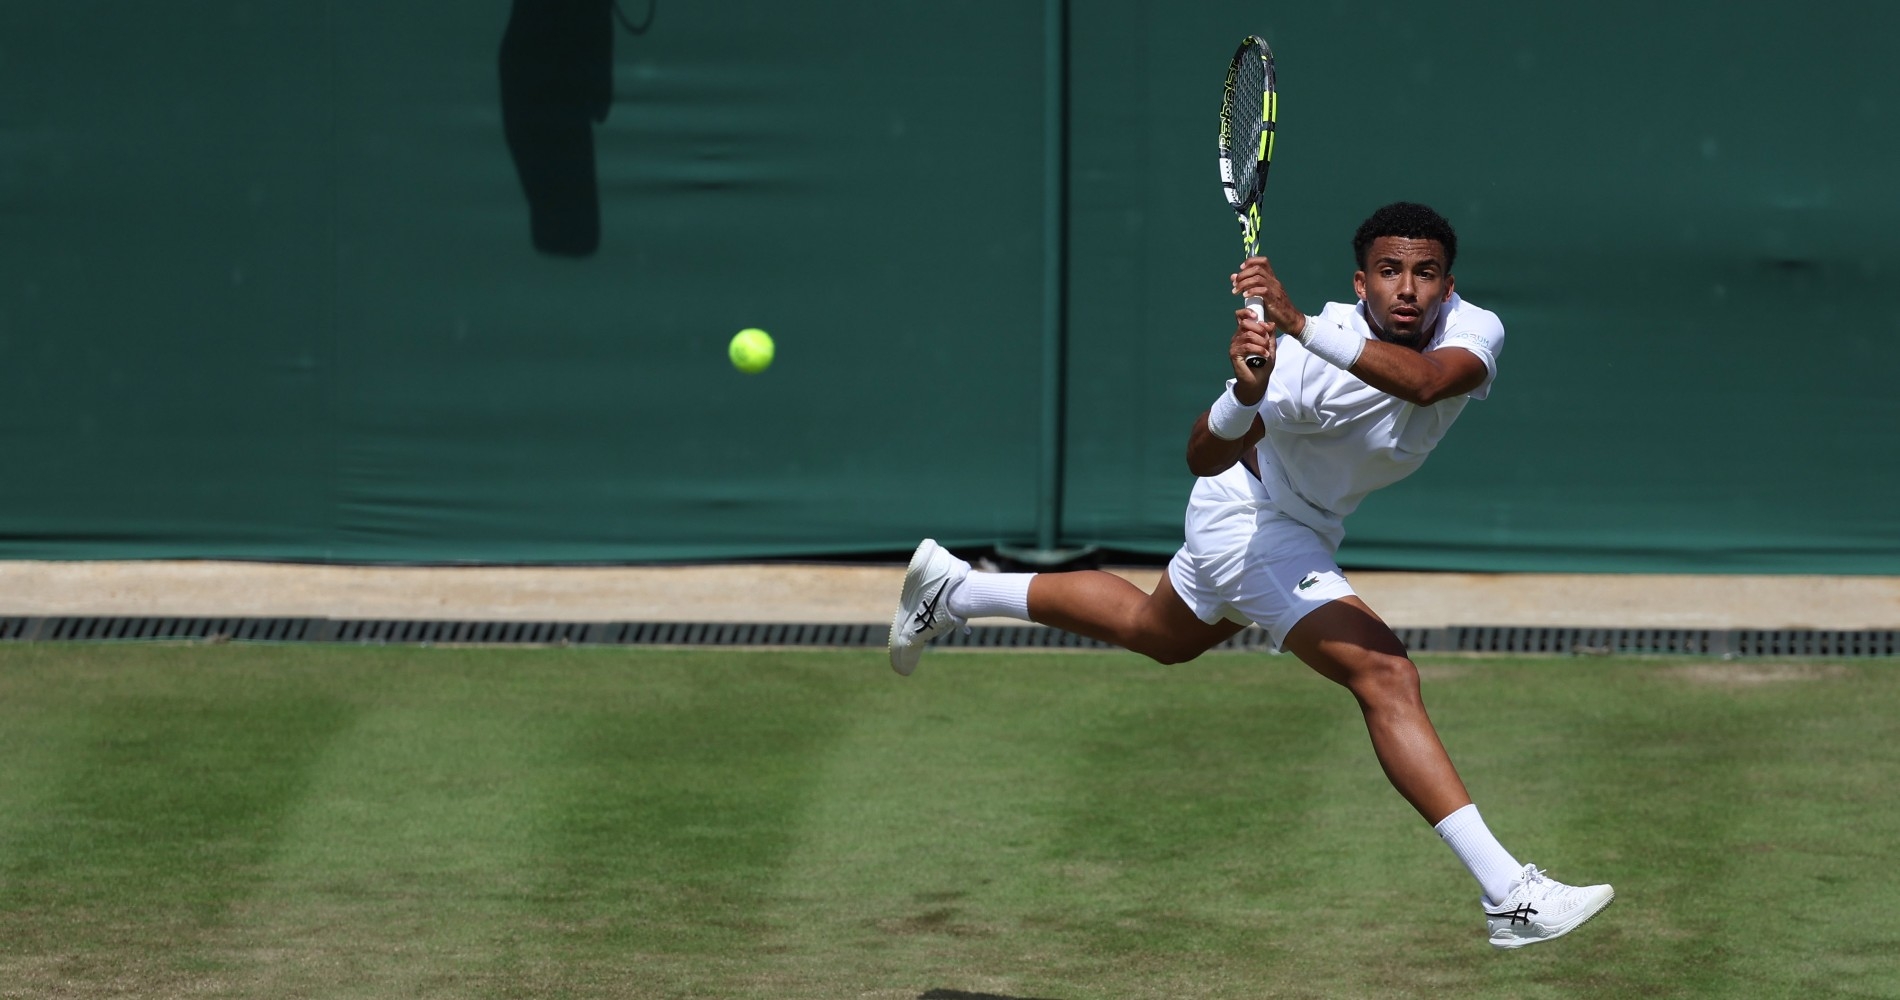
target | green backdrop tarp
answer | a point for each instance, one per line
(441, 282)
(1679, 212)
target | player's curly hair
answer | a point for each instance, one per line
(1410, 220)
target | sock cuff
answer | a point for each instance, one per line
(1487, 860)
(1458, 821)
(992, 595)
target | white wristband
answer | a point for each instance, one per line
(1227, 418)
(1334, 344)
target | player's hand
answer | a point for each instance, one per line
(1256, 280)
(1252, 339)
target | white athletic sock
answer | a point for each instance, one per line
(991, 595)
(1494, 868)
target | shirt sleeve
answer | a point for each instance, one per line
(1287, 406)
(1480, 332)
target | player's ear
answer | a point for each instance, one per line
(1451, 283)
(1359, 284)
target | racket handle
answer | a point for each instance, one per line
(1259, 313)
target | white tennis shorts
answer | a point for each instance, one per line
(1247, 562)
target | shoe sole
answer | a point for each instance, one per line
(913, 581)
(1511, 943)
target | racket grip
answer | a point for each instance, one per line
(1259, 313)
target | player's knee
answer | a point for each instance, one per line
(1153, 638)
(1379, 677)
(1169, 654)
(1155, 645)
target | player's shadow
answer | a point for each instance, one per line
(557, 81)
(961, 995)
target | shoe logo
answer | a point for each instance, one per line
(927, 615)
(1311, 578)
(1521, 915)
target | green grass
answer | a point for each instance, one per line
(303, 821)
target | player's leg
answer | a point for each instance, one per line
(1347, 643)
(1184, 617)
(941, 592)
(1106, 607)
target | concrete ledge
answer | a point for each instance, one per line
(821, 593)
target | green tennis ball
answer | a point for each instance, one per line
(751, 350)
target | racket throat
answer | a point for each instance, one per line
(1250, 230)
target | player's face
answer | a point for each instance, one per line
(1404, 284)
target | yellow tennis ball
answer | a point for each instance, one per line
(751, 350)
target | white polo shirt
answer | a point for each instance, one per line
(1332, 439)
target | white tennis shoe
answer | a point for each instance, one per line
(921, 611)
(1539, 908)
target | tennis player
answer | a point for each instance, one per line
(1350, 400)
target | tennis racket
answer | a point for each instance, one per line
(1248, 107)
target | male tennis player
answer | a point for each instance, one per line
(1350, 400)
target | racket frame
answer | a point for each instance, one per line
(1246, 203)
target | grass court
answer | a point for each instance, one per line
(397, 822)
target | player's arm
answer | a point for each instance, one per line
(1232, 426)
(1420, 378)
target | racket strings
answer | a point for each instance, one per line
(1245, 113)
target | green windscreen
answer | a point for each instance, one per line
(448, 282)
(1679, 211)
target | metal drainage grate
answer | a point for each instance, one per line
(1700, 642)
(1584, 640)
(1816, 643)
(742, 634)
(403, 631)
(1456, 639)
(120, 628)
